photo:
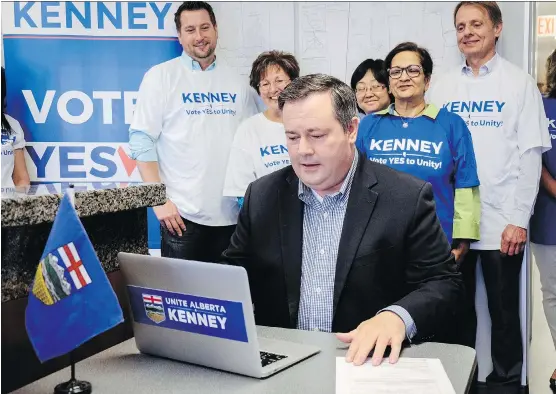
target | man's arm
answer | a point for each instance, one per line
(530, 164)
(145, 129)
(143, 150)
(167, 214)
(430, 270)
(533, 139)
(149, 171)
(514, 236)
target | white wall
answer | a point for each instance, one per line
(334, 37)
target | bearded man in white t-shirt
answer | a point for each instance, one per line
(504, 112)
(184, 122)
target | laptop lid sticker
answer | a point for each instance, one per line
(184, 312)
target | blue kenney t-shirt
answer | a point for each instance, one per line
(435, 147)
(543, 221)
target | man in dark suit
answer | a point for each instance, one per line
(338, 243)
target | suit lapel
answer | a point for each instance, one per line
(291, 237)
(358, 213)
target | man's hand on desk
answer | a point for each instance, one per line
(384, 329)
(170, 218)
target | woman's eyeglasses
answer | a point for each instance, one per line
(412, 71)
(361, 89)
(279, 83)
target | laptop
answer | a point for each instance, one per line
(201, 313)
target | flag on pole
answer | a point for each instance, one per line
(71, 299)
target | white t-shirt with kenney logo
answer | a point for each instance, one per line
(193, 117)
(259, 148)
(504, 113)
(10, 142)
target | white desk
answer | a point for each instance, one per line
(122, 369)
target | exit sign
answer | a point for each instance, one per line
(545, 26)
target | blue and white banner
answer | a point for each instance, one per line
(73, 70)
(185, 312)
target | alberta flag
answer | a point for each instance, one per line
(70, 300)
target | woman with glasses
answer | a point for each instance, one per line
(369, 82)
(429, 143)
(259, 146)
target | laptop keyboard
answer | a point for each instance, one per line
(269, 358)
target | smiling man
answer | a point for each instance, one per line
(504, 112)
(337, 243)
(186, 116)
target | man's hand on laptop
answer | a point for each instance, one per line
(385, 329)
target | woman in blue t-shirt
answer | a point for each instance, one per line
(543, 222)
(429, 143)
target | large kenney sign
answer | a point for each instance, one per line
(73, 70)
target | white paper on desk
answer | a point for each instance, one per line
(408, 375)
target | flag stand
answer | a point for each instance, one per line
(73, 386)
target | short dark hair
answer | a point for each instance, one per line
(376, 66)
(551, 75)
(193, 6)
(286, 61)
(491, 7)
(424, 56)
(343, 97)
